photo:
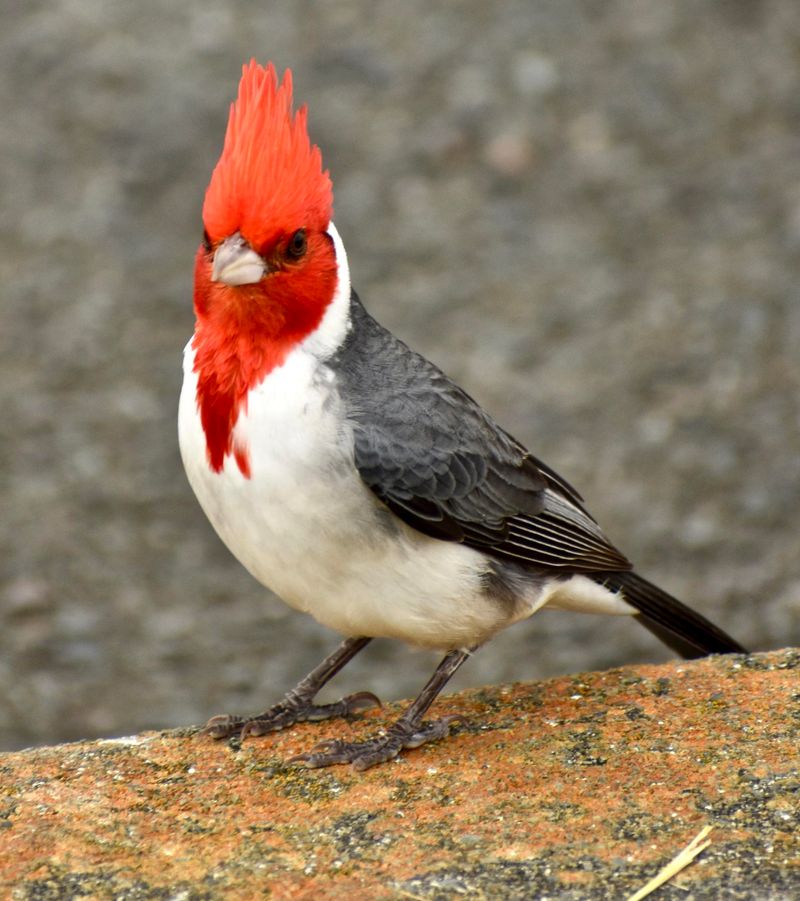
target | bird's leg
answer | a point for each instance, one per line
(297, 706)
(408, 732)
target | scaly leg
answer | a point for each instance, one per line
(297, 706)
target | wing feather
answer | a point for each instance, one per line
(443, 466)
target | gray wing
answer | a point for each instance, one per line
(442, 465)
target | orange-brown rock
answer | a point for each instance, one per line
(579, 787)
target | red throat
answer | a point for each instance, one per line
(268, 184)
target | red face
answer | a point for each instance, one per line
(282, 287)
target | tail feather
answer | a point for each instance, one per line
(678, 626)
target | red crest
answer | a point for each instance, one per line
(269, 180)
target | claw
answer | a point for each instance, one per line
(345, 707)
(223, 726)
(362, 700)
(330, 745)
(432, 731)
(364, 754)
(260, 725)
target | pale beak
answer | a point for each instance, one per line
(236, 263)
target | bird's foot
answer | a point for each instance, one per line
(289, 711)
(364, 754)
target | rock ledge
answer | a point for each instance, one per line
(578, 787)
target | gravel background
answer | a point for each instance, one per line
(589, 214)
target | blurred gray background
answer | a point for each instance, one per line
(588, 213)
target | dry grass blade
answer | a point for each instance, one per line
(698, 844)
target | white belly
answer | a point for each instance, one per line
(306, 526)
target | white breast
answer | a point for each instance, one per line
(306, 526)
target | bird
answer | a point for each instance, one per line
(348, 473)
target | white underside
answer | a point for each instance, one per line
(306, 526)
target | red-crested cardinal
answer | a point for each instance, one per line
(349, 474)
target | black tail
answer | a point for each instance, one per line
(678, 626)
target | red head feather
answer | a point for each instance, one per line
(269, 180)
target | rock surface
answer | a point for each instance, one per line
(577, 788)
(588, 213)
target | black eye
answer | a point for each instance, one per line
(206, 242)
(297, 244)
